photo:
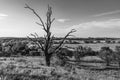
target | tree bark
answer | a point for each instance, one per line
(107, 63)
(119, 64)
(47, 58)
(48, 61)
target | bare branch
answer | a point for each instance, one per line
(51, 42)
(49, 14)
(52, 20)
(39, 24)
(42, 26)
(33, 36)
(35, 14)
(61, 43)
(36, 41)
(37, 35)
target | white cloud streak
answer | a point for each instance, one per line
(2, 16)
(63, 20)
(112, 23)
(107, 13)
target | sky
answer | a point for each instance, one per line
(91, 18)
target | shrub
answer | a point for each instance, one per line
(117, 54)
(34, 53)
(106, 54)
(84, 51)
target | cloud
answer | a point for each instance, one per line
(2, 16)
(111, 23)
(107, 13)
(106, 28)
(63, 20)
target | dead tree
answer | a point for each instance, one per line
(47, 44)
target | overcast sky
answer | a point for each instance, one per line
(91, 18)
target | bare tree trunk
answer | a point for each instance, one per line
(47, 59)
(107, 63)
(119, 64)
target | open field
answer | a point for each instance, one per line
(32, 67)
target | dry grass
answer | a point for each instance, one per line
(32, 68)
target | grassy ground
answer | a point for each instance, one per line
(32, 68)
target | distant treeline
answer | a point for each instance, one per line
(59, 38)
(70, 40)
(89, 38)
